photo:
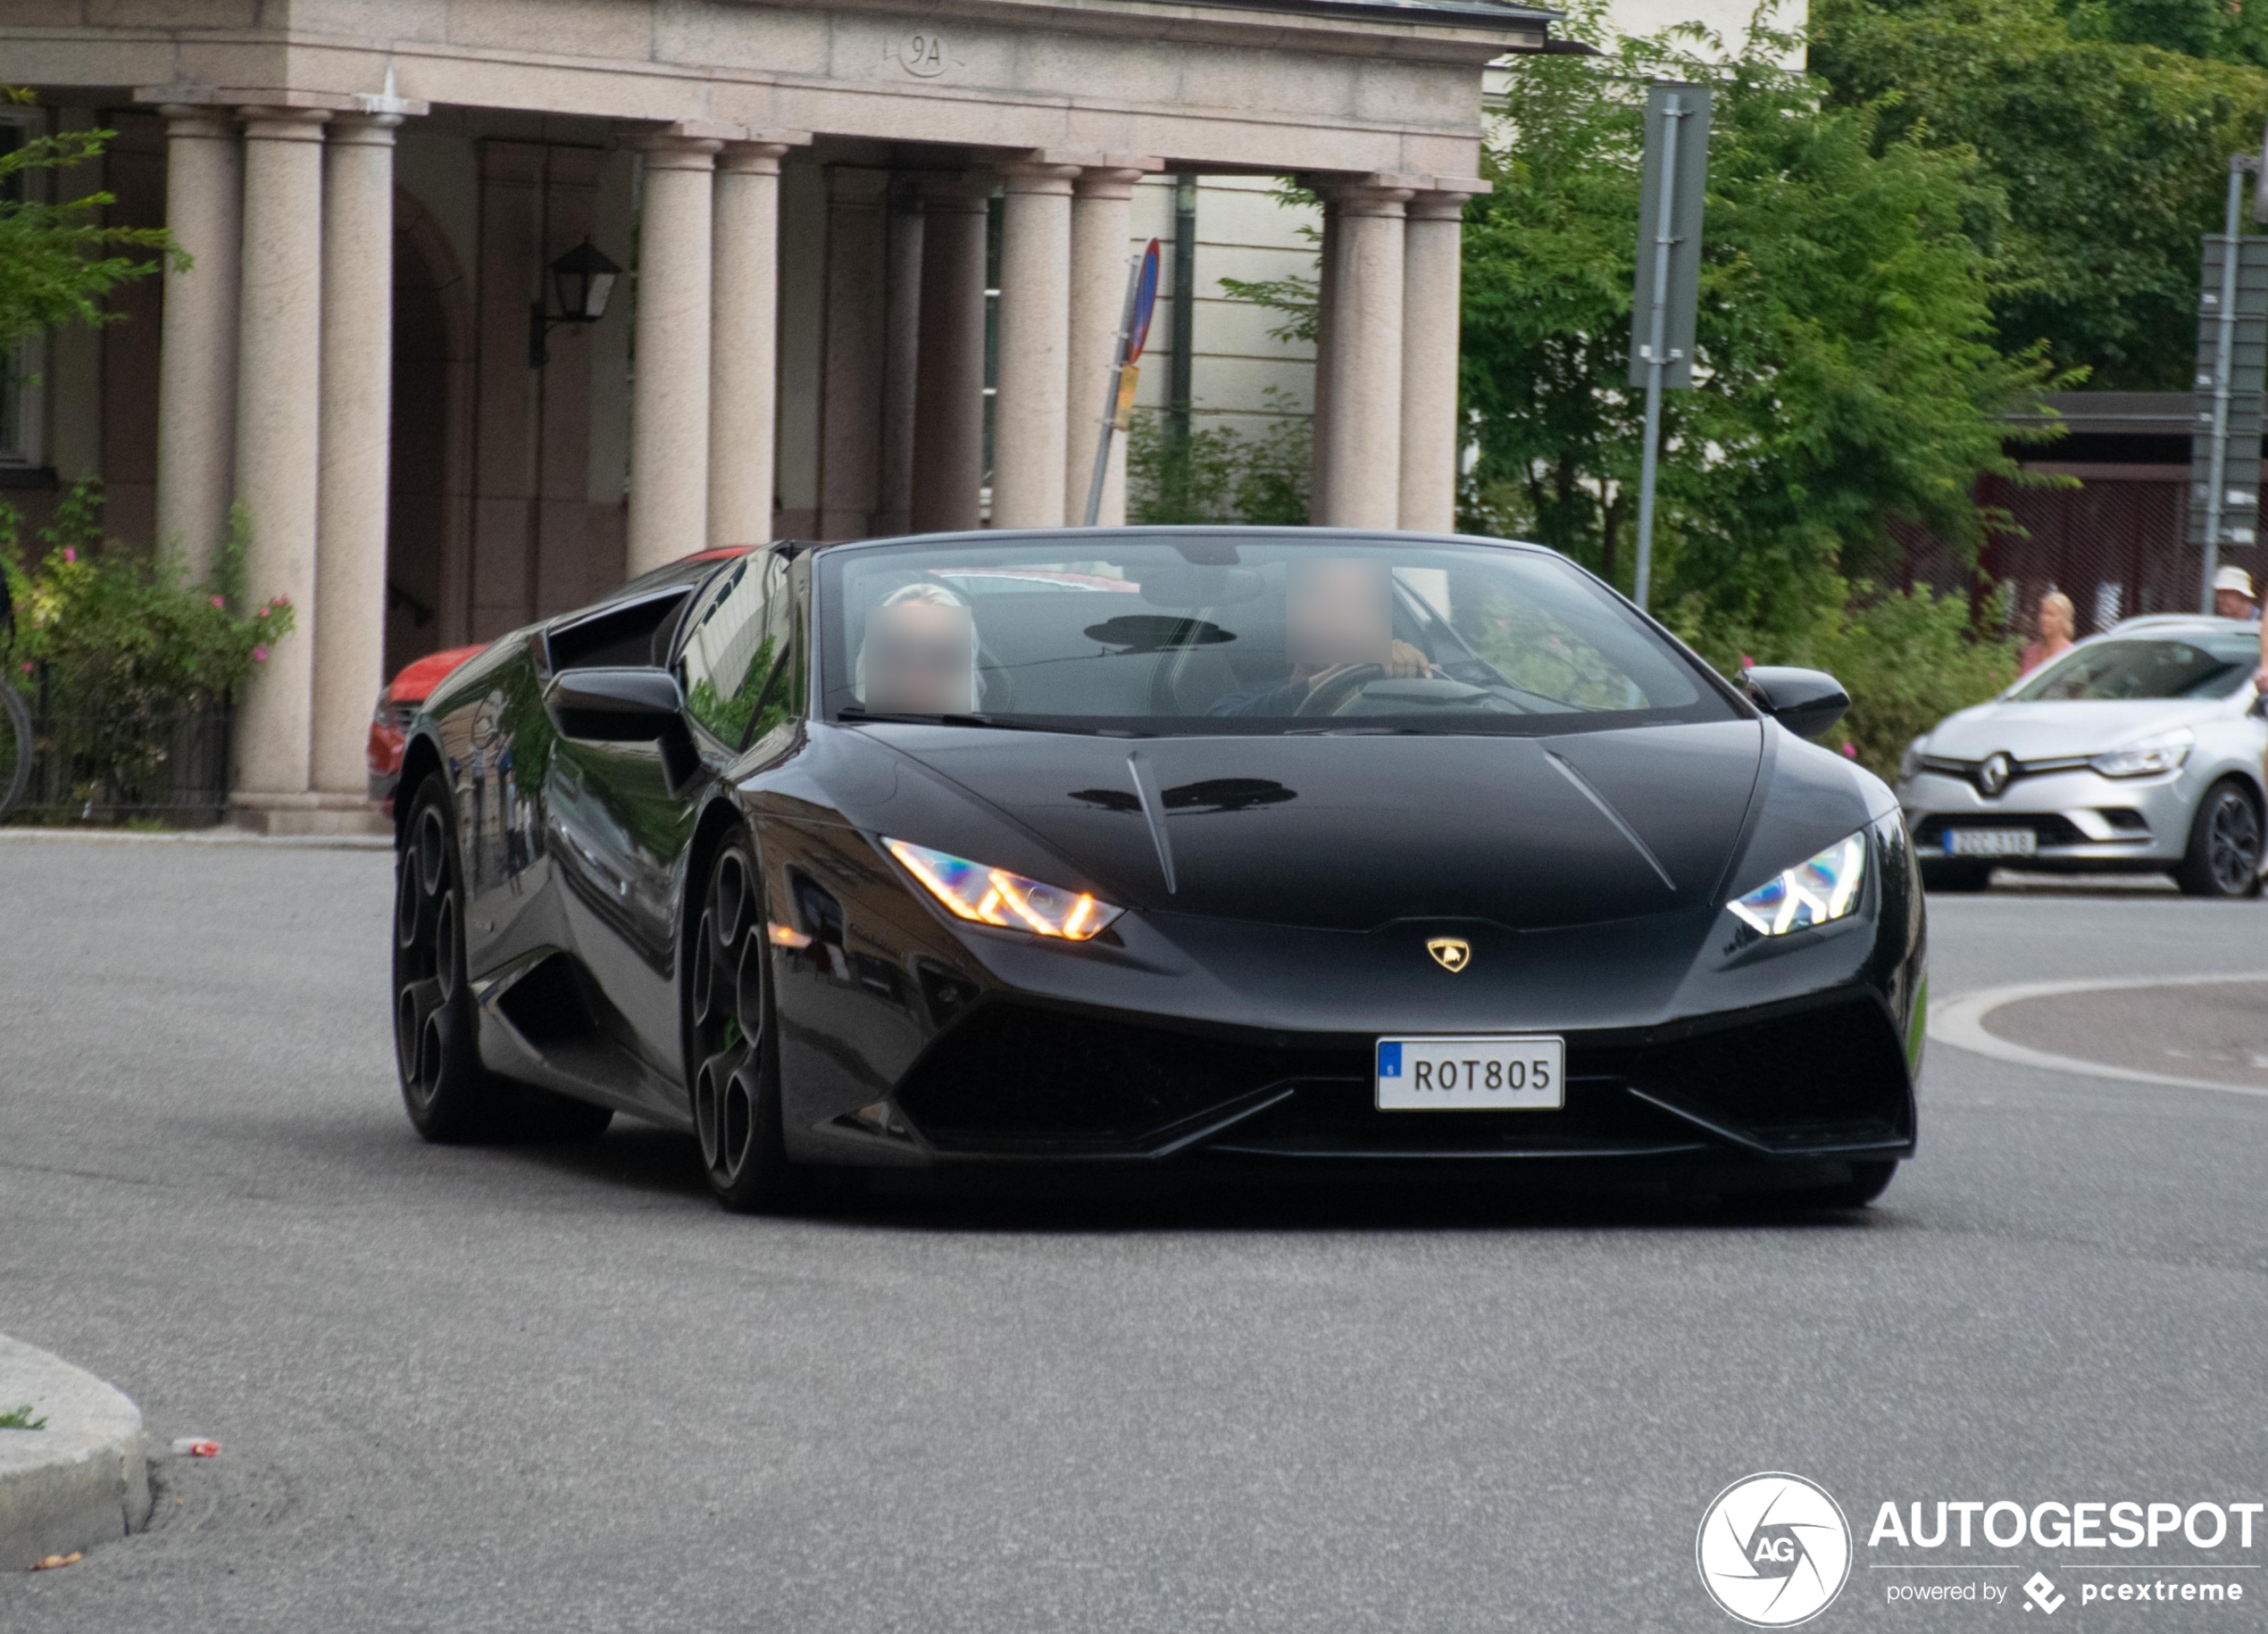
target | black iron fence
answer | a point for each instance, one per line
(168, 765)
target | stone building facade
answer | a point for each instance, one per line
(837, 221)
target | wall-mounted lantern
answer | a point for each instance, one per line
(583, 278)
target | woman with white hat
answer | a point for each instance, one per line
(2232, 597)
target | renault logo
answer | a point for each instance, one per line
(1993, 776)
(1451, 953)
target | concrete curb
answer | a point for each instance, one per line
(1961, 1023)
(82, 1480)
(196, 837)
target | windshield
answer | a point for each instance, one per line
(1249, 632)
(2208, 667)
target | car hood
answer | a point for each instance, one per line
(2066, 726)
(1349, 833)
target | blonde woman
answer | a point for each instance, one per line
(2056, 621)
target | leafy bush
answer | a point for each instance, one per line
(112, 648)
(1908, 658)
(1216, 475)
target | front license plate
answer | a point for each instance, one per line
(1990, 842)
(1492, 1073)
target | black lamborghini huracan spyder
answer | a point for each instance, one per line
(1154, 845)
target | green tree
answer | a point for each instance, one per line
(2109, 157)
(1846, 369)
(2224, 28)
(57, 260)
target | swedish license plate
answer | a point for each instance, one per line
(1490, 1073)
(1990, 842)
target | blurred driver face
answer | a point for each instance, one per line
(1337, 609)
(919, 658)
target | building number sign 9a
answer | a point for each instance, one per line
(922, 53)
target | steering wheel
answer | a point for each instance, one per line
(1327, 699)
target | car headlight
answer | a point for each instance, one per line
(995, 897)
(2148, 758)
(1811, 893)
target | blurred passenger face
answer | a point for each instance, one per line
(1337, 609)
(920, 658)
(2232, 603)
(2055, 620)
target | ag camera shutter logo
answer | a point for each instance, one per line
(1774, 1550)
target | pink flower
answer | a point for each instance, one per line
(259, 655)
(218, 603)
(69, 554)
(1850, 750)
(262, 613)
(27, 666)
(1747, 663)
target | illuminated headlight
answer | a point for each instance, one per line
(995, 897)
(1812, 893)
(2148, 758)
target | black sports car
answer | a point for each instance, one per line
(1154, 845)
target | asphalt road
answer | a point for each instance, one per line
(519, 1389)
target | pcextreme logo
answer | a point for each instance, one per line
(1774, 1550)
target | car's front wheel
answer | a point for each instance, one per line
(2223, 858)
(734, 1053)
(1951, 873)
(1867, 1181)
(449, 1095)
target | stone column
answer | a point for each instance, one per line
(850, 413)
(196, 388)
(1027, 406)
(901, 357)
(1102, 230)
(949, 418)
(278, 355)
(744, 359)
(1431, 278)
(1362, 453)
(670, 393)
(357, 406)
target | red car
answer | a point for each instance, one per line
(397, 705)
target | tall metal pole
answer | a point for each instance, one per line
(2224, 360)
(1110, 396)
(1673, 111)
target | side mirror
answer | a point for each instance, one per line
(1806, 702)
(617, 705)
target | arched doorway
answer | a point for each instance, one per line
(429, 490)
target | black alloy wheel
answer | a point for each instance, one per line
(450, 1096)
(733, 1053)
(1868, 1181)
(2223, 858)
(1951, 873)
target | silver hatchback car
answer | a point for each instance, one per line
(2140, 750)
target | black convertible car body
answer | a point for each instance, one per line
(1152, 845)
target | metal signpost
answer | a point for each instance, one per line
(1669, 275)
(1118, 403)
(2232, 347)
